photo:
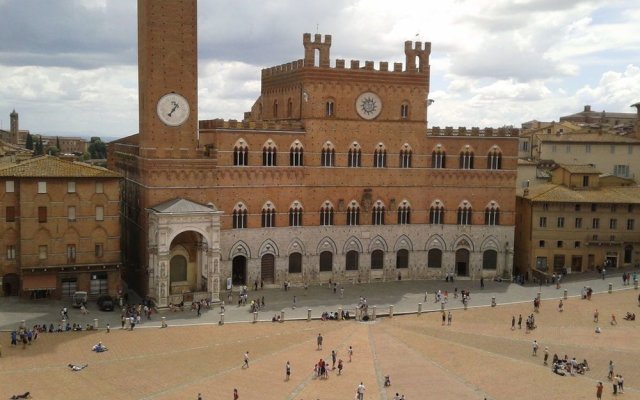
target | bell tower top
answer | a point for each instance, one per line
(14, 127)
(168, 78)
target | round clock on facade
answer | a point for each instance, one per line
(368, 105)
(173, 109)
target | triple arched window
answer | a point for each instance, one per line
(296, 154)
(295, 214)
(405, 156)
(239, 216)
(268, 215)
(354, 157)
(492, 214)
(438, 158)
(380, 156)
(464, 214)
(466, 159)
(328, 155)
(377, 216)
(404, 213)
(269, 154)
(326, 214)
(436, 213)
(241, 153)
(353, 214)
(494, 159)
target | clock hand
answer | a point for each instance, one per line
(175, 106)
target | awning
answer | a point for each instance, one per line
(39, 282)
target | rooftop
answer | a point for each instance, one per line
(549, 192)
(54, 167)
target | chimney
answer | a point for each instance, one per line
(587, 108)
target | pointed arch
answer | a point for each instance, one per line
(352, 243)
(296, 246)
(353, 213)
(295, 213)
(268, 215)
(378, 243)
(404, 212)
(406, 153)
(268, 247)
(327, 244)
(380, 156)
(436, 212)
(354, 155)
(377, 213)
(492, 213)
(403, 243)
(438, 156)
(240, 248)
(326, 213)
(466, 157)
(465, 215)
(269, 154)
(239, 216)
(463, 242)
(436, 241)
(494, 158)
(490, 243)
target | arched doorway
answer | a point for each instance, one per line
(178, 281)
(10, 284)
(268, 268)
(462, 262)
(239, 270)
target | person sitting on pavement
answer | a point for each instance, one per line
(630, 316)
(99, 348)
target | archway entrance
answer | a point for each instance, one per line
(268, 268)
(10, 284)
(239, 270)
(462, 262)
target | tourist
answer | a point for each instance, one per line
(235, 394)
(546, 354)
(520, 321)
(535, 348)
(340, 366)
(596, 314)
(360, 391)
(350, 351)
(319, 342)
(599, 390)
(246, 360)
(287, 371)
(449, 318)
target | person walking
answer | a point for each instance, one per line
(334, 356)
(596, 314)
(561, 306)
(599, 387)
(235, 394)
(360, 391)
(287, 371)
(546, 354)
(319, 342)
(481, 283)
(449, 318)
(350, 351)
(444, 318)
(534, 347)
(610, 376)
(340, 366)
(246, 360)
(342, 292)
(520, 321)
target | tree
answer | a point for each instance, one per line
(58, 143)
(53, 151)
(97, 148)
(29, 143)
(39, 150)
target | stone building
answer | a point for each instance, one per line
(332, 175)
(578, 222)
(60, 228)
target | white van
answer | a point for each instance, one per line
(79, 298)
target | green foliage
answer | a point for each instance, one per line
(29, 143)
(53, 151)
(39, 148)
(97, 148)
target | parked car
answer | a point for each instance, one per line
(79, 298)
(106, 303)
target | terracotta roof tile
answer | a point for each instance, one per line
(50, 167)
(558, 193)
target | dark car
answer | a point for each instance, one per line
(106, 303)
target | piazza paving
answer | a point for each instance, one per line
(477, 357)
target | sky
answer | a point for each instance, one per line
(69, 67)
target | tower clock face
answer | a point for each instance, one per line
(173, 109)
(368, 105)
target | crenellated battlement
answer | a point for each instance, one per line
(220, 123)
(416, 53)
(475, 131)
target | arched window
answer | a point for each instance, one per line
(405, 156)
(268, 216)
(239, 216)
(296, 154)
(404, 111)
(328, 108)
(377, 259)
(326, 261)
(355, 156)
(494, 159)
(353, 214)
(464, 214)
(436, 213)
(241, 153)
(404, 213)
(490, 259)
(438, 158)
(352, 260)
(380, 156)
(275, 109)
(328, 155)
(269, 154)
(377, 215)
(402, 258)
(466, 159)
(289, 108)
(326, 214)
(295, 263)
(492, 214)
(295, 214)
(434, 258)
